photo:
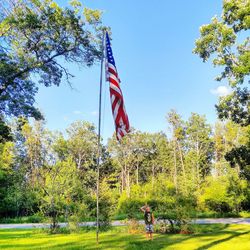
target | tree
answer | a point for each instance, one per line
(5, 131)
(82, 147)
(178, 137)
(133, 153)
(36, 36)
(232, 144)
(19, 197)
(222, 40)
(58, 187)
(107, 201)
(200, 146)
(38, 151)
(229, 198)
(239, 155)
(159, 159)
(6, 171)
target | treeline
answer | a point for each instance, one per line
(195, 167)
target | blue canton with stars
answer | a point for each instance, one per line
(109, 50)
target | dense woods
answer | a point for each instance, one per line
(188, 169)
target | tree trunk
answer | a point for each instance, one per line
(175, 169)
(79, 162)
(122, 178)
(153, 175)
(128, 184)
(137, 174)
(182, 162)
(197, 163)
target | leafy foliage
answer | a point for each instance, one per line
(34, 36)
(222, 41)
(54, 175)
(229, 198)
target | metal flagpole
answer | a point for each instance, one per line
(99, 142)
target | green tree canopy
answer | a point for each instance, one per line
(226, 41)
(34, 35)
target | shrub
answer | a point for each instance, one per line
(106, 205)
(230, 196)
(73, 224)
(134, 226)
(36, 218)
(130, 206)
(174, 209)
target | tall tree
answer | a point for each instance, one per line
(82, 147)
(38, 145)
(178, 137)
(133, 157)
(200, 146)
(35, 37)
(226, 40)
(239, 153)
(6, 171)
(58, 189)
(5, 131)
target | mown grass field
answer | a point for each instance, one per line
(219, 237)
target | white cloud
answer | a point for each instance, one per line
(221, 91)
(94, 113)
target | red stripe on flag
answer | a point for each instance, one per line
(119, 112)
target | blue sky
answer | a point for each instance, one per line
(152, 45)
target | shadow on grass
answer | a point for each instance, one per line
(119, 239)
(216, 242)
(211, 228)
(126, 242)
(158, 243)
(10, 235)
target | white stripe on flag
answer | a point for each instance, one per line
(114, 77)
(116, 108)
(115, 88)
(112, 67)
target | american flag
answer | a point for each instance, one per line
(117, 102)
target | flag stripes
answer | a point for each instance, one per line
(117, 102)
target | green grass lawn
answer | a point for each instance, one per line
(221, 237)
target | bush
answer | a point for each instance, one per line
(36, 218)
(175, 221)
(229, 198)
(174, 210)
(73, 224)
(57, 230)
(134, 226)
(130, 207)
(106, 206)
(245, 214)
